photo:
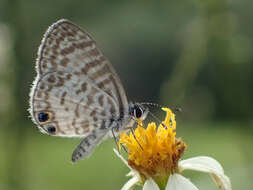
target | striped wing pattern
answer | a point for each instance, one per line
(76, 87)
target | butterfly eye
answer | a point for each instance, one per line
(51, 129)
(137, 111)
(43, 117)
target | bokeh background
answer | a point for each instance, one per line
(191, 53)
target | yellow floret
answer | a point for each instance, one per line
(154, 151)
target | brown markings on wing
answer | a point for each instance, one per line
(51, 79)
(77, 111)
(100, 72)
(89, 65)
(84, 87)
(83, 45)
(63, 98)
(112, 108)
(101, 100)
(64, 62)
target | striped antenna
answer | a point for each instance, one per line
(151, 104)
(175, 109)
(152, 115)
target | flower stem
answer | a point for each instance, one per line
(161, 181)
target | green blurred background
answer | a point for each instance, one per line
(193, 54)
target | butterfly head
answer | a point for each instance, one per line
(138, 111)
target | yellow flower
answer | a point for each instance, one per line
(154, 151)
(154, 158)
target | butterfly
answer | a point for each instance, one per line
(77, 92)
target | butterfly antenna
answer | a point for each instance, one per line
(174, 108)
(177, 109)
(151, 104)
(157, 119)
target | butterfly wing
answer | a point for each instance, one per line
(76, 91)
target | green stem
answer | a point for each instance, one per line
(161, 181)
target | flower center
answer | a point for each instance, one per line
(154, 151)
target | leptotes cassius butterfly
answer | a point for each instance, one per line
(77, 92)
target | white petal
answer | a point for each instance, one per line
(201, 163)
(131, 173)
(136, 177)
(150, 185)
(121, 157)
(131, 183)
(179, 182)
(207, 165)
(222, 181)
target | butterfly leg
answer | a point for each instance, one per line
(87, 145)
(132, 131)
(116, 140)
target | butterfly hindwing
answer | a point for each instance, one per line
(76, 86)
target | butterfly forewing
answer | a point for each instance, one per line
(76, 87)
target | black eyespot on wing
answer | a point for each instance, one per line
(51, 129)
(42, 117)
